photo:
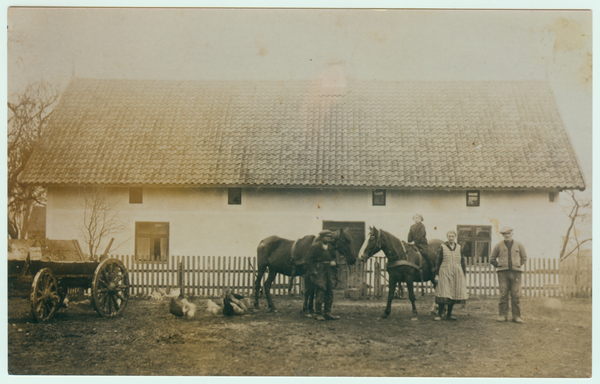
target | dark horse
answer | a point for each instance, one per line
(404, 263)
(276, 254)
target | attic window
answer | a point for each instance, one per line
(135, 195)
(234, 196)
(473, 199)
(379, 197)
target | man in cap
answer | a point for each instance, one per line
(508, 256)
(323, 274)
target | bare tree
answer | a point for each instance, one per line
(580, 214)
(100, 219)
(28, 115)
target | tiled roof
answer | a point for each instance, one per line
(301, 133)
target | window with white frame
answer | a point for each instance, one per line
(151, 241)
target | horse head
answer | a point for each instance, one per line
(371, 246)
(343, 244)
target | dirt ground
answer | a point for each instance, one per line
(148, 340)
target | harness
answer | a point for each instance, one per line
(394, 262)
(402, 262)
(293, 265)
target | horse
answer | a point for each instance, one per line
(280, 255)
(404, 263)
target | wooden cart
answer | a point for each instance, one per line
(47, 283)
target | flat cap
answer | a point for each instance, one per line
(506, 230)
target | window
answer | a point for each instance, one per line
(379, 197)
(234, 196)
(475, 241)
(472, 198)
(151, 241)
(135, 195)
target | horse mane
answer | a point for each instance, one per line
(344, 237)
(398, 246)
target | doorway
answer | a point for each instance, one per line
(357, 232)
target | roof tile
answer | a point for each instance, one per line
(374, 133)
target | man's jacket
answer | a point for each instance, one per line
(499, 258)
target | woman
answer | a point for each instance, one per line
(452, 282)
(417, 233)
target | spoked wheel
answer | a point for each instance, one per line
(110, 288)
(45, 297)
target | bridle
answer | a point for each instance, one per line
(394, 260)
(377, 235)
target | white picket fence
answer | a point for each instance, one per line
(210, 275)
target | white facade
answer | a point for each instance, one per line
(201, 222)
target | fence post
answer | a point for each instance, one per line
(180, 276)
(377, 279)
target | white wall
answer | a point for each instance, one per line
(202, 223)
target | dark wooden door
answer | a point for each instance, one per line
(357, 231)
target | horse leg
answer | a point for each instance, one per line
(411, 296)
(267, 287)
(305, 296)
(291, 285)
(309, 297)
(391, 292)
(259, 276)
(305, 301)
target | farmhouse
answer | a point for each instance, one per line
(213, 167)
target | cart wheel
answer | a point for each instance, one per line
(110, 288)
(45, 298)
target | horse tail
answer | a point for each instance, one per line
(262, 253)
